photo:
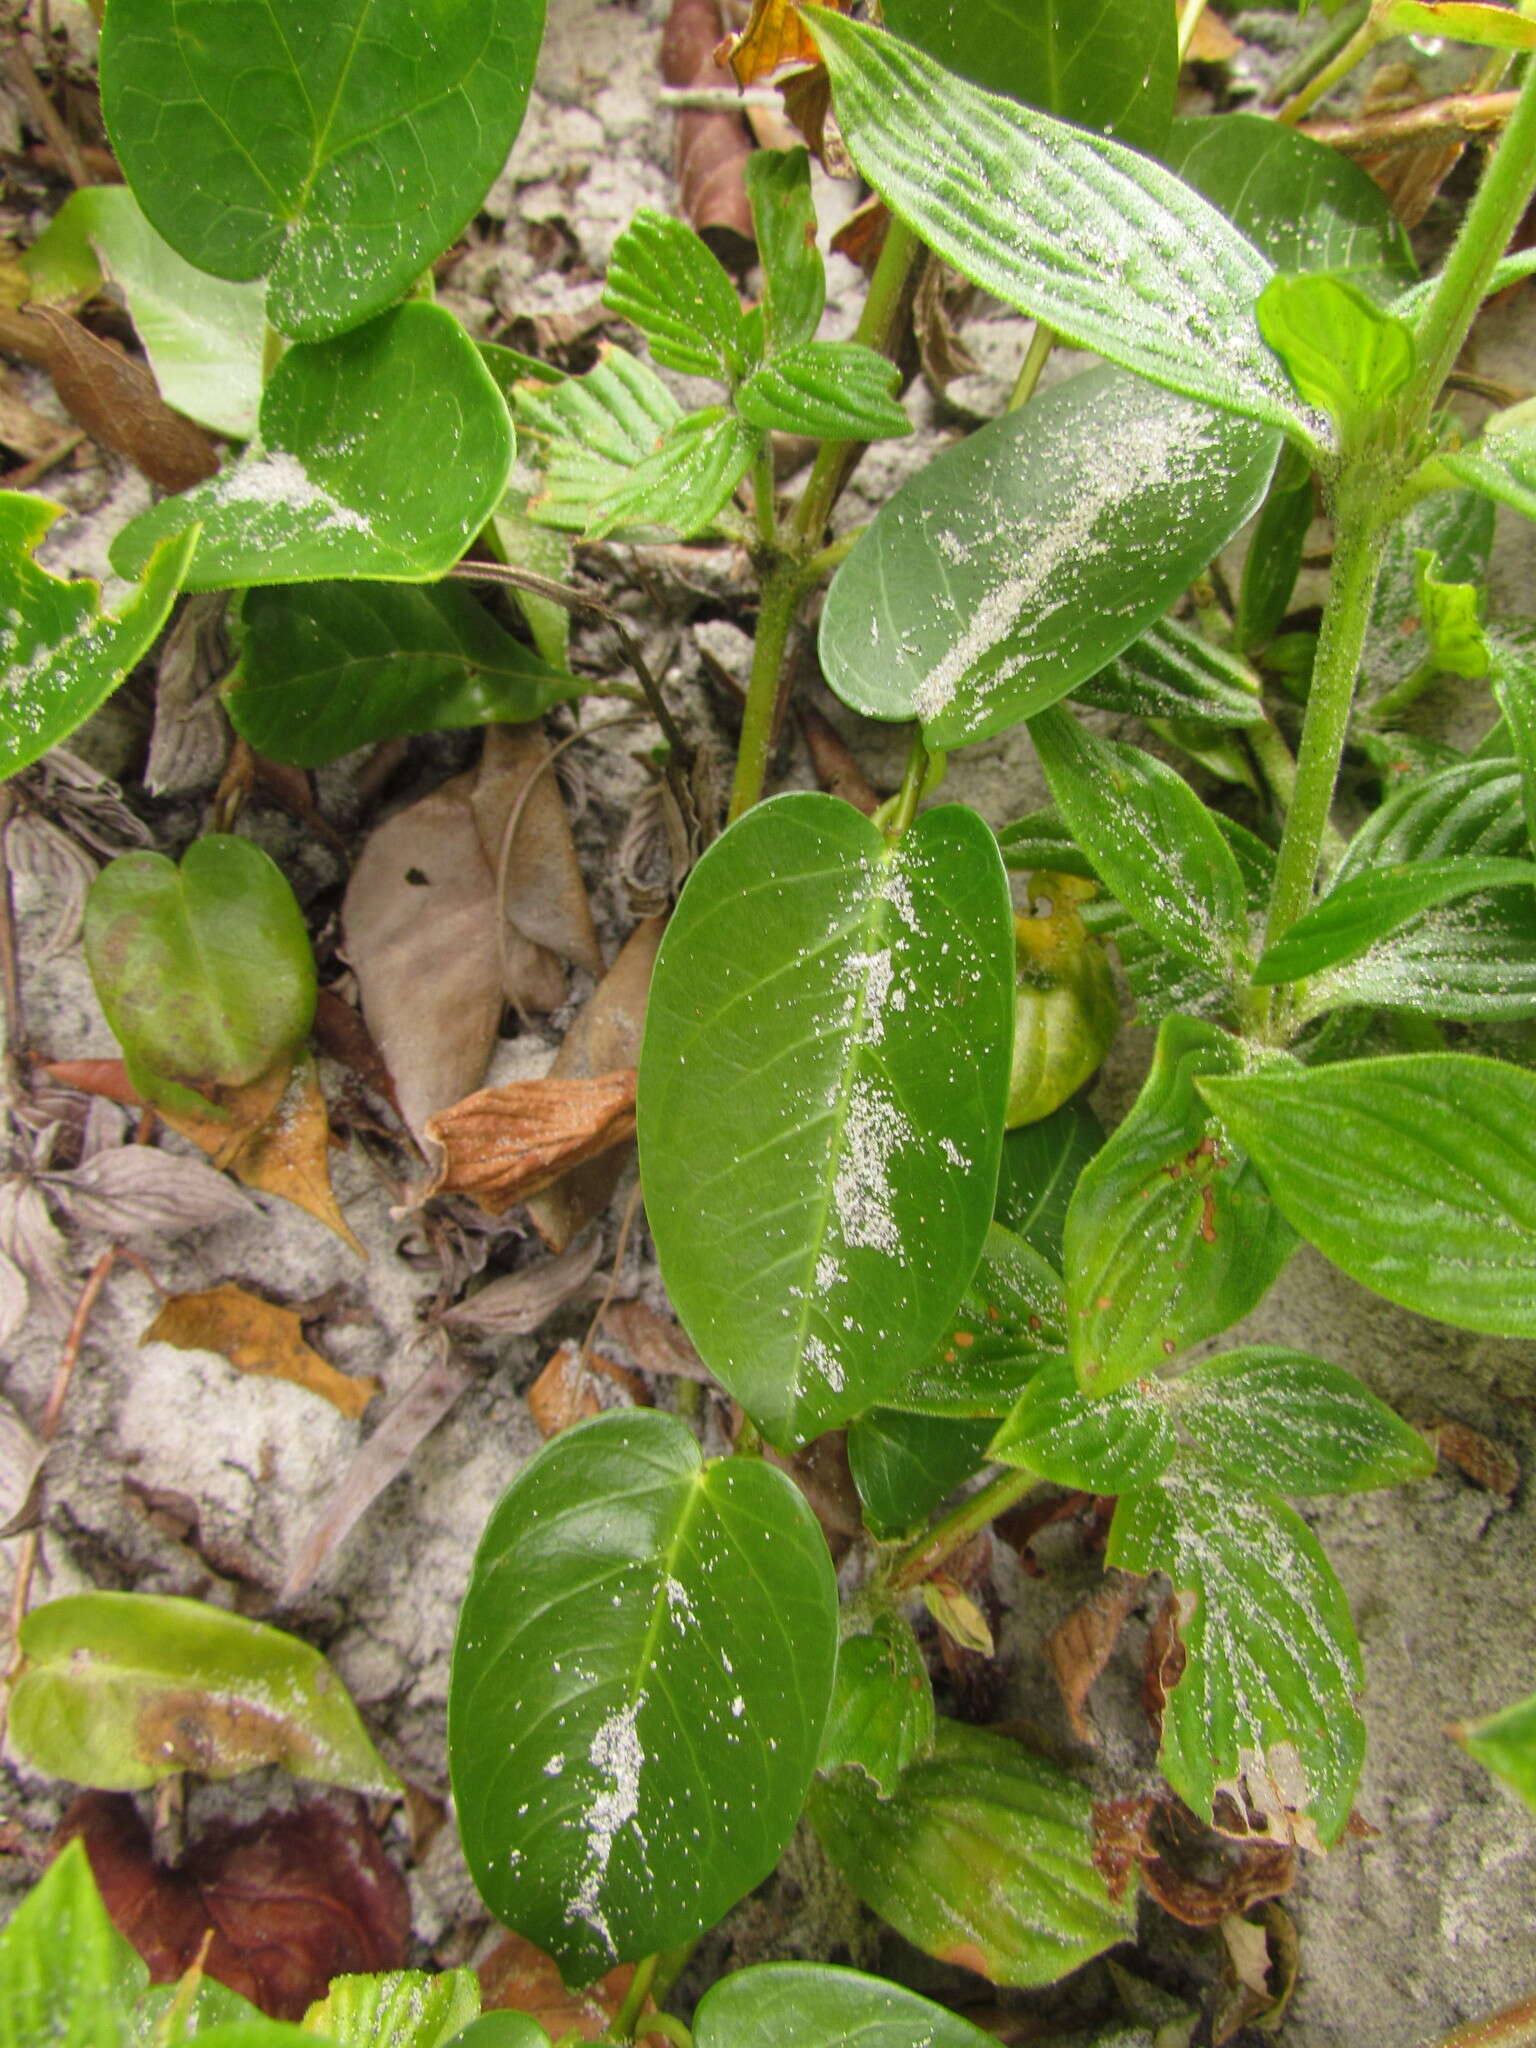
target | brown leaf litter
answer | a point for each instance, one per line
(501, 1145)
(258, 1337)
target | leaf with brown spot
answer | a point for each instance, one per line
(1079, 1648)
(256, 1336)
(1486, 1463)
(294, 1899)
(710, 149)
(518, 1977)
(503, 1144)
(116, 400)
(574, 1387)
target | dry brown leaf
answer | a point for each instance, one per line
(774, 36)
(544, 898)
(1213, 42)
(517, 1303)
(25, 432)
(1253, 1956)
(381, 1459)
(340, 1033)
(134, 1191)
(572, 1388)
(256, 1336)
(710, 149)
(862, 235)
(656, 1343)
(820, 1469)
(107, 1078)
(1201, 1876)
(942, 300)
(1163, 1665)
(115, 399)
(1410, 178)
(807, 97)
(517, 1976)
(1486, 1463)
(837, 770)
(1079, 1648)
(502, 1144)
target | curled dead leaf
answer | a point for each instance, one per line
(1201, 1875)
(517, 1976)
(774, 36)
(574, 1387)
(1080, 1646)
(1486, 1463)
(503, 1144)
(116, 400)
(517, 1303)
(257, 1336)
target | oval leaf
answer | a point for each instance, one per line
(1031, 552)
(815, 2005)
(1415, 1174)
(836, 390)
(123, 1689)
(821, 1099)
(1366, 907)
(677, 292)
(642, 1669)
(1295, 1423)
(337, 149)
(339, 485)
(1101, 1443)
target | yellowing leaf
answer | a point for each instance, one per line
(774, 36)
(256, 1336)
(958, 1615)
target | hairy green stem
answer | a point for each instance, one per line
(1333, 56)
(914, 1564)
(783, 587)
(762, 496)
(1041, 342)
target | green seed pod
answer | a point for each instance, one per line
(1065, 1010)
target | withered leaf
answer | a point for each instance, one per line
(257, 1336)
(1213, 42)
(526, 836)
(774, 35)
(1259, 1973)
(107, 1078)
(958, 1615)
(501, 1145)
(21, 1460)
(136, 1191)
(24, 431)
(517, 1976)
(710, 149)
(339, 1032)
(1201, 1876)
(1486, 1463)
(658, 1344)
(1079, 1647)
(837, 770)
(573, 1388)
(116, 401)
(517, 1303)
(294, 1899)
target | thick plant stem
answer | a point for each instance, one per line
(919, 1559)
(783, 587)
(913, 781)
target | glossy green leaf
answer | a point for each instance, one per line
(1273, 561)
(1458, 527)
(881, 1717)
(1025, 556)
(337, 485)
(1265, 1709)
(1511, 269)
(1471, 961)
(834, 390)
(1284, 1420)
(1465, 21)
(1506, 1743)
(821, 1098)
(1041, 1164)
(589, 433)
(675, 290)
(501, 2030)
(1171, 1236)
(204, 970)
(67, 1977)
(1171, 672)
(1112, 65)
(334, 150)
(1011, 1319)
(982, 1856)
(1513, 660)
(815, 2005)
(784, 217)
(1471, 810)
(685, 483)
(643, 1666)
(1102, 1443)
(905, 1465)
(1114, 252)
(1501, 464)
(1366, 907)
(1449, 614)
(203, 335)
(326, 667)
(1150, 837)
(120, 1690)
(62, 654)
(395, 2009)
(1306, 206)
(1345, 355)
(1415, 1174)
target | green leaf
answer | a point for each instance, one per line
(1470, 810)
(1041, 840)
(204, 970)
(1415, 1174)
(123, 1689)
(1284, 1420)
(67, 1977)
(904, 1465)
(784, 218)
(591, 432)
(1513, 661)
(1512, 269)
(1171, 1236)
(1458, 527)
(519, 541)
(1025, 556)
(1107, 247)
(501, 2030)
(333, 150)
(835, 390)
(1448, 614)
(685, 483)
(1102, 1443)
(1150, 837)
(64, 655)
(1171, 672)
(1506, 1743)
(1303, 204)
(982, 1856)
(326, 667)
(1366, 907)
(213, 2006)
(203, 336)
(821, 1099)
(1041, 1164)
(1010, 1320)
(338, 485)
(1502, 463)
(1273, 561)
(815, 2005)
(881, 1718)
(664, 280)
(395, 2009)
(1471, 962)
(643, 1666)
(1465, 21)
(1265, 1709)
(1344, 354)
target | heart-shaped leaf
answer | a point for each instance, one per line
(1295, 1423)
(642, 1669)
(337, 149)
(120, 1690)
(818, 2006)
(1027, 555)
(381, 455)
(326, 667)
(821, 1099)
(62, 654)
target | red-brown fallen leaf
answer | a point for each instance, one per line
(1410, 178)
(711, 149)
(1079, 1647)
(294, 1899)
(837, 769)
(774, 36)
(573, 1388)
(340, 1032)
(658, 1344)
(517, 1976)
(1486, 1463)
(115, 399)
(1164, 1663)
(501, 1145)
(257, 1336)
(95, 1077)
